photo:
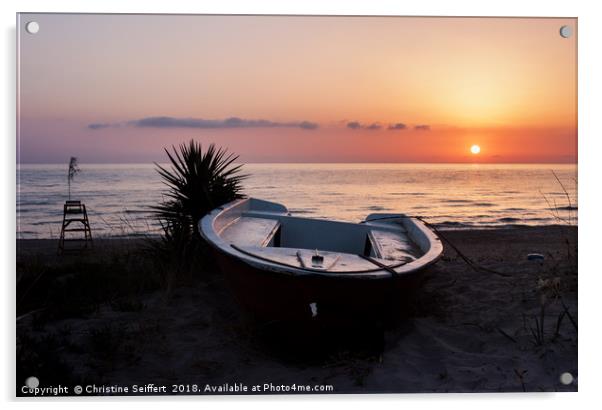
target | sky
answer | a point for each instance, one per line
(120, 88)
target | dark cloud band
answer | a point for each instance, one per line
(375, 126)
(232, 122)
(397, 127)
(236, 122)
(355, 125)
(99, 125)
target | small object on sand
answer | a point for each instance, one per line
(535, 257)
(314, 309)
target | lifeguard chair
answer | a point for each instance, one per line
(74, 212)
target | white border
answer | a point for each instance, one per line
(590, 67)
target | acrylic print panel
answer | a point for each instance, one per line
(295, 204)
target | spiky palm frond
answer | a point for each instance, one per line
(198, 181)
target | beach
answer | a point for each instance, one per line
(474, 327)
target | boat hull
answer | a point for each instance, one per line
(270, 295)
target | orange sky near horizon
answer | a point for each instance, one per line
(505, 84)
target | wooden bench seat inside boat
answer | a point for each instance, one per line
(250, 231)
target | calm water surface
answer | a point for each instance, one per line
(451, 195)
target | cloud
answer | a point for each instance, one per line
(397, 127)
(356, 125)
(375, 126)
(231, 122)
(99, 125)
(306, 125)
(236, 122)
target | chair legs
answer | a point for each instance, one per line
(74, 212)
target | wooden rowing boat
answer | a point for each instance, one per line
(284, 266)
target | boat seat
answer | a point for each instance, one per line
(250, 231)
(394, 246)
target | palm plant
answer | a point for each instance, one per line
(198, 181)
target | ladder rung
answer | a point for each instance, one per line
(76, 230)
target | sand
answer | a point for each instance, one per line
(471, 330)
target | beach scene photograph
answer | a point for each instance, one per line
(252, 205)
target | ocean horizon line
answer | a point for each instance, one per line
(325, 163)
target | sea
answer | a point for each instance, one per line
(118, 197)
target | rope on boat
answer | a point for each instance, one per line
(465, 258)
(392, 271)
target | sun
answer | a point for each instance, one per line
(475, 149)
